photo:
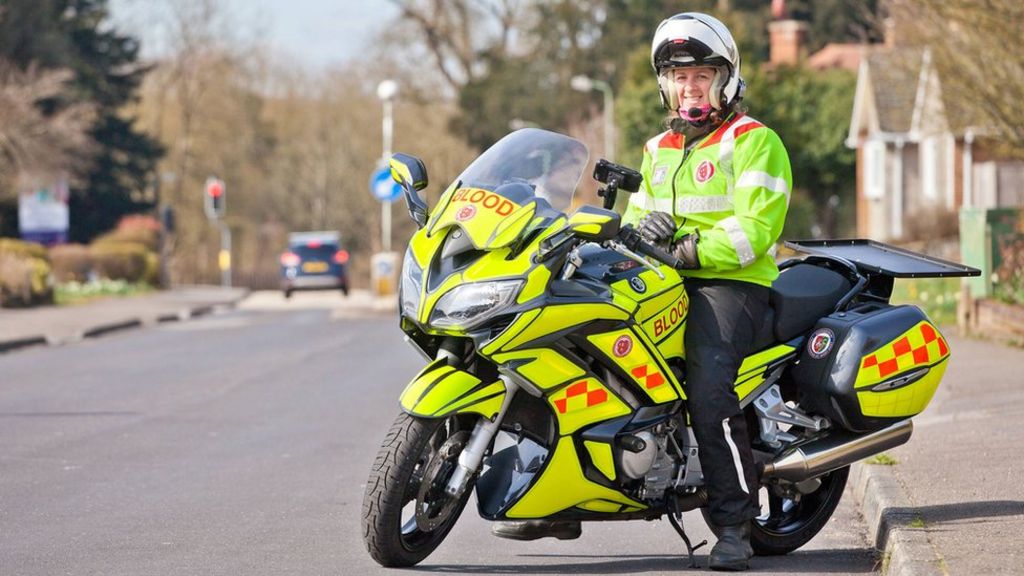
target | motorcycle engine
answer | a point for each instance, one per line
(652, 462)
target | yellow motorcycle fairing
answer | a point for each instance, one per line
(498, 263)
(563, 485)
(489, 219)
(441, 390)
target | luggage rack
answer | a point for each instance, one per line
(873, 258)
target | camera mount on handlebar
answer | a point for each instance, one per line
(615, 177)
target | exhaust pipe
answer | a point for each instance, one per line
(835, 451)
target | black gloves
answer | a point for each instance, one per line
(657, 227)
(685, 250)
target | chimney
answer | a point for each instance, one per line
(787, 40)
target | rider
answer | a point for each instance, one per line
(716, 190)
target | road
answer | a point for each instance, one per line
(240, 443)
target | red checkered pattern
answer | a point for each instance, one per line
(647, 375)
(919, 346)
(577, 396)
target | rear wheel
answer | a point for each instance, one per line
(790, 519)
(406, 512)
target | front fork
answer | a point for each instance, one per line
(483, 434)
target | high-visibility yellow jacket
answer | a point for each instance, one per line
(732, 186)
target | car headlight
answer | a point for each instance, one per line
(412, 284)
(469, 305)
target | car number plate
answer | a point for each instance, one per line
(314, 267)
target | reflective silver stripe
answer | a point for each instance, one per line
(662, 204)
(699, 204)
(740, 242)
(735, 455)
(652, 147)
(639, 200)
(648, 204)
(725, 148)
(764, 180)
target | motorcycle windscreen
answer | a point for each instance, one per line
(498, 195)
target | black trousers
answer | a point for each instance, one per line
(723, 321)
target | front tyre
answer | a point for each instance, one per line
(791, 521)
(406, 512)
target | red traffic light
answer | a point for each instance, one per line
(215, 188)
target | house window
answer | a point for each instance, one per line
(930, 168)
(874, 169)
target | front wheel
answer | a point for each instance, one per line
(406, 512)
(791, 520)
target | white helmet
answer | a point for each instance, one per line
(696, 39)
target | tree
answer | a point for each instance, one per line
(976, 48)
(810, 110)
(32, 141)
(75, 35)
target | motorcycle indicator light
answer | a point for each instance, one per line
(412, 283)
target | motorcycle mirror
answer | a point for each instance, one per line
(594, 224)
(411, 175)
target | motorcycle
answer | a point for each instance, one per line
(554, 384)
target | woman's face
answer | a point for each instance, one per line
(693, 86)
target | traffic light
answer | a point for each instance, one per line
(215, 198)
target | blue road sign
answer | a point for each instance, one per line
(383, 187)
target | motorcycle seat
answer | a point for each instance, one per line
(801, 295)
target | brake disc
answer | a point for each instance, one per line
(433, 504)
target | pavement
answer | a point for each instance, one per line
(951, 501)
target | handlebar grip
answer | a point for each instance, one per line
(659, 255)
(632, 239)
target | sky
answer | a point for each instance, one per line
(317, 33)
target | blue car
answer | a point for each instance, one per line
(314, 261)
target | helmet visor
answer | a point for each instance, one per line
(681, 53)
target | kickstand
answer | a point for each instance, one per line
(677, 524)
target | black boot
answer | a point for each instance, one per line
(732, 552)
(534, 529)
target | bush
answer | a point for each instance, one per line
(120, 260)
(23, 249)
(147, 238)
(71, 262)
(24, 280)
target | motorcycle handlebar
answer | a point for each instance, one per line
(632, 239)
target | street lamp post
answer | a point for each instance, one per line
(386, 91)
(586, 84)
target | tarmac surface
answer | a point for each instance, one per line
(952, 503)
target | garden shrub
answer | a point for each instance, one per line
(71, 262)
(120, 260)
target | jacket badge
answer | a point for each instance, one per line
(704, 172)
(659, 175)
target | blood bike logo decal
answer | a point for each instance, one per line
(820, 343)
(669, 318)
(485, 199)
(705, 170)
(465, 213)
(637, 284)
(623, 346)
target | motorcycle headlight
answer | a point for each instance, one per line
(412, 284)
(470, 305)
